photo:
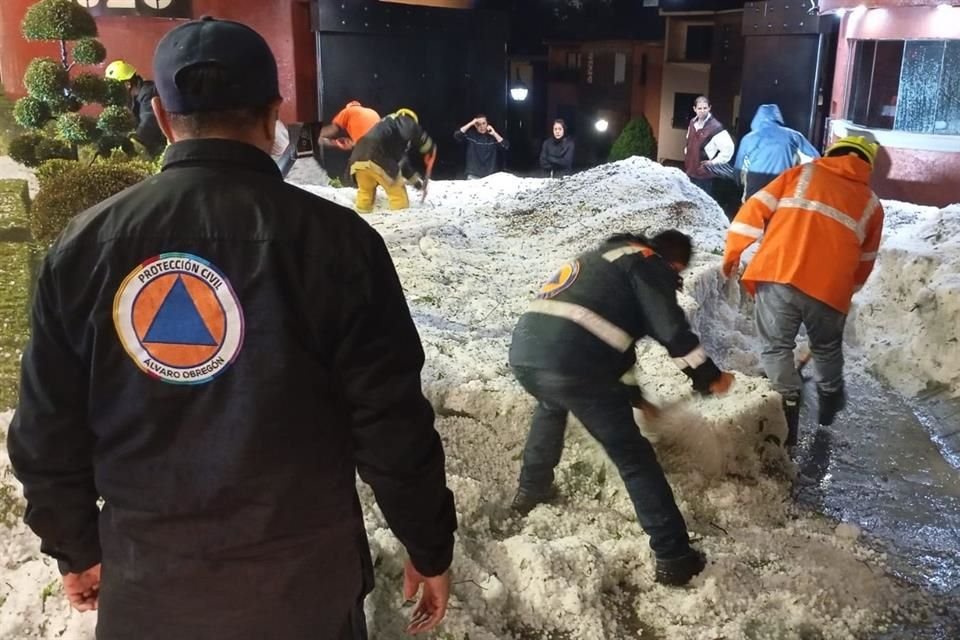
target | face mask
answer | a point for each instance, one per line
(281, 139)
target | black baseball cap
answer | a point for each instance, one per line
(242, 53)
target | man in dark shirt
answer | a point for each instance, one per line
(482, 142)
(142, 92)
(573, 350)
(216, 354)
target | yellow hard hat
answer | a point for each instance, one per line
(120, 70)
(407, 112)
(859, 143)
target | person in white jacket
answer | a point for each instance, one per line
(709, 147)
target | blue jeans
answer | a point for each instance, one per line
(604, 409)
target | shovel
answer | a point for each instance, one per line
(428, 160)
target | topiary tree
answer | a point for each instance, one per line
(68, 188)
(636, 139)
(54, 98)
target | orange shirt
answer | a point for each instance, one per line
(820, 224)
(356, 120)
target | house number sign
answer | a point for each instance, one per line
(147, 8)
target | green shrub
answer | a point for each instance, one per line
(23, 148)
(116, 93)
(31, 112)
(32, 148)
(46, 79)
(16, 274)
(14, 205)
(55, 100)
(49, 148)
(89, 88)
(636, 139)
(9, 128)
(77, 189)
(52, 169)
(89, 51)
(115, 121)
(76, 128)
(58, 20)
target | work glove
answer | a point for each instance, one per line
(730, 269)
(722, 384)
(417, 182)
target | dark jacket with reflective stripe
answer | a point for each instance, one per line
(230, 508)
(148, 130)
(389, 142)
(636, 292)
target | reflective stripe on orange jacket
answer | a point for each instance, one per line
(820, 224)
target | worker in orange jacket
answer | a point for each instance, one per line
(821, 225)
(348, 126)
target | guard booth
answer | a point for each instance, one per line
(445, 64)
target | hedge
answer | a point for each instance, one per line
(16, 276)
(66, 191)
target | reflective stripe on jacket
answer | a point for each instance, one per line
(587, 318)
(821, 226)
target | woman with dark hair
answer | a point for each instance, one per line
(556, 154)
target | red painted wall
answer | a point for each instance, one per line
(923, 177)
(284, 23)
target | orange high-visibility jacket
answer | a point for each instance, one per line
(820, 223)
(356, 120)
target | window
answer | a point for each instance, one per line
(619, 68)
(643, 70)
(573, 60)
(699, 44)
(683, 109)
(906, 85)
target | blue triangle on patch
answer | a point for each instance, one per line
(178, 321)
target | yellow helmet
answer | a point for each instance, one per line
(407, 112)
(120, 70)
(858, 143)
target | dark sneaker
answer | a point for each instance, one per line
(523, 503)
(676, 572)
(830, 404)
(791, 411)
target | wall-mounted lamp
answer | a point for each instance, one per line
(601, 125)
(518, 91)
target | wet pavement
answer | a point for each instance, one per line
(882, 466)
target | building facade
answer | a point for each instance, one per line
(897, 81)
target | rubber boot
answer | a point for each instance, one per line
(791, 411)
(676, 572)
(830, 404)
(523, 502)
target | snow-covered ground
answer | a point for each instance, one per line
(470, 258)
(907, 318)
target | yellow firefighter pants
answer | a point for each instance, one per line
(369, 176)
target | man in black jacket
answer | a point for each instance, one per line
(573, 350)
(381, 159)
(142, 92)
(215, 354)
(482, 142)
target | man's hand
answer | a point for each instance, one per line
(722, 384)
(83, 589)
(344, 143)
(729, 268)
(432, 606)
